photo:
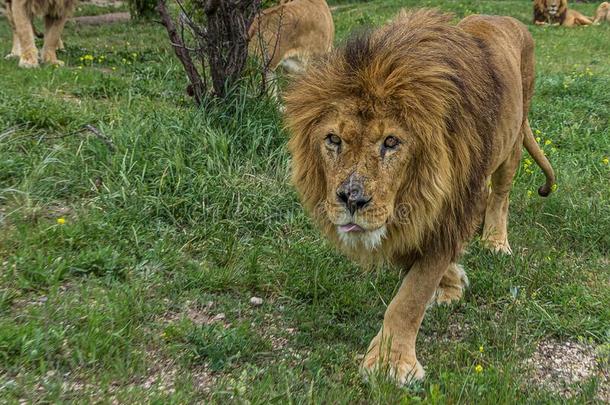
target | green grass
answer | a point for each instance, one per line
(193, 214)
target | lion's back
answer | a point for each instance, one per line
(302, 27)
(498, 31)
(510, 47)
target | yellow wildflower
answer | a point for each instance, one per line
(61, 220)
(554, 187)
(548, 142)
(478, 368)
(605, 161)
(481, 349)
(530, 193)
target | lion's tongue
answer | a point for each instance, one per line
(351, 228)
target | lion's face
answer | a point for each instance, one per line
(362, 160)
(554, 7)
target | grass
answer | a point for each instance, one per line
(142, 295)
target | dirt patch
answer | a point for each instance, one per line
(163, 374)
(561, 366)
(105, 3)
(101, 19)
(199, 314)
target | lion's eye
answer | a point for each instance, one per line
(391, 142)
(333, 140)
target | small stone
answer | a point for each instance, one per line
(256, 301)
(218, 317)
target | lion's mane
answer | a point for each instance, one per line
(541, 13)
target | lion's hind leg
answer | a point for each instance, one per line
(495, 232)
(582, 20)
(451, 287)
(53, 29)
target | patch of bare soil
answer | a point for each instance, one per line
(101, 19)
(561, 366)
(163, 374)
(199, 314)
(105, 3)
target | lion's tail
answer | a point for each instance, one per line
(534, 150)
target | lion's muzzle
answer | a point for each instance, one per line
(351, 194)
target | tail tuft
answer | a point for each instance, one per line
(544, 191)
(536, 153)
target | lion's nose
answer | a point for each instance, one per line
(352, 196)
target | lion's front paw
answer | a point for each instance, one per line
(51, 59)
(29, 59)
(499, 246)
(56, 62)
(452, 286)
(394, 364)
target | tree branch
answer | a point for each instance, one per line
(182, 53)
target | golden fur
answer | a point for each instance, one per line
(291, 34)
(20, 14)
(557, 12)
(603, 13)
(394, 139)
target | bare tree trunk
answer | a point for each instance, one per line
(228, 22)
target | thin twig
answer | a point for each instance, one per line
(101, 136)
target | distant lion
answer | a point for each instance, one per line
(557, 12)
(603, 13)
(394, 138)
(290, 34)
(20, 14)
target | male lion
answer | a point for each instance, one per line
(557, 12)
(603, 13)
(290, 34)
(20, 14)
(394, 139)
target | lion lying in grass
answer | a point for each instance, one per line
(603, 13)
(394, 139)
(20, 14)
(290, 34)
(557, 12)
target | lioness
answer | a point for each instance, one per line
(290, 34)
(20, 14)
(557, 12)
(394, 137)
(603, 13)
